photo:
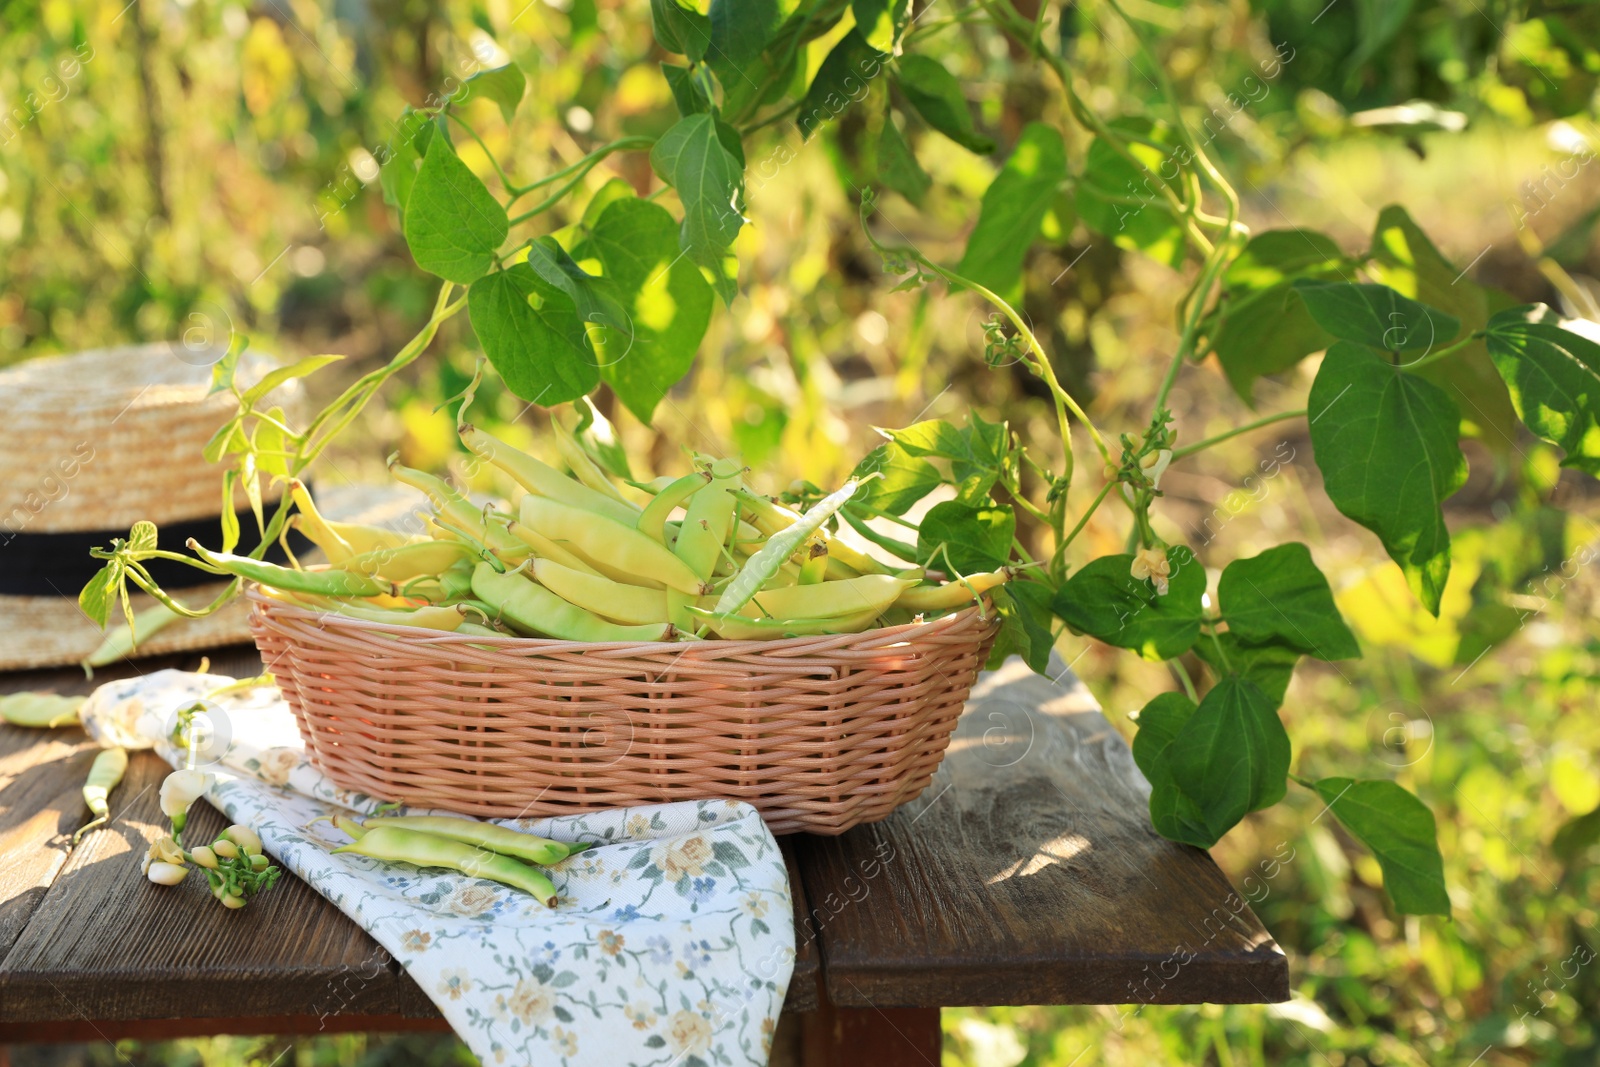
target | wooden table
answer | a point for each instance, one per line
(1027, 873)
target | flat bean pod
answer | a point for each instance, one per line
(104, 774)
(532, 608)
(394, 845)
(779, 547)
(539, 477)
(609, 599)
(870, 592)
(321, 582)
(653, 520)
(40, 710)
(742, 628)
(952, 594)
(405, 562)
(507, 842)
(620, 546)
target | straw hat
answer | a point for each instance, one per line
(90, 444)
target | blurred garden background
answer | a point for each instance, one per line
(188, 168)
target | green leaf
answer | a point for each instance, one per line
(667, 300)
(1269, 666)
(741, 29)
(1386, 444)
(897, 166)
(752, 62)
(1261, 326)
(680, 28)
(1160, 722)
(1403, 258)
(1377, 316)
(230, 517)
(610, 328)
(1231, 757)
(1013, 208)
(452, 224)
(1576, 836)
(973, 539)
(1108, 177)
(397, 170)
(1554, 378)
(224, 369)
(274, 378)
(142, 539)
(1024, 609)
(936, 95)
(709, 179)
(976, 452)
(1400, 831)
(1273, 257)
(879, 21)
(687, 91)
(1174, 815)
(840, 82)
(1104, 599)
(95, 597)
(504, 85)
(533, 336)
(1281, 597)
(905, 479)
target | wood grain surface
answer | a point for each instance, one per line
(1028, 873)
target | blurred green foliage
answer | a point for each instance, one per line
(172, 168)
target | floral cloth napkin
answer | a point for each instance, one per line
(672, 945)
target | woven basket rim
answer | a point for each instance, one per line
(259, 600)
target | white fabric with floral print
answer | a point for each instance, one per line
(673, 942)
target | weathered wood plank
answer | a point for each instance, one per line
(804, 983)
(1028, 873)
(106, 944)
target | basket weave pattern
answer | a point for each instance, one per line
(817, 733)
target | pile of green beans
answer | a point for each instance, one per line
(586, 557)
(478, 849)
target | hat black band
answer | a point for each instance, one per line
(59, 564)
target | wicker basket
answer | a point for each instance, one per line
(817, 733)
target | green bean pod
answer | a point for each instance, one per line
(779, 547)
(457, 511)
(539, 850)
(538, 477)
(319, 583)
(104, 774)
(408, 561)
(952, 594)
(532, 608)
(744, 628)
(122, 638)
(609, 599)
(826, 600)
(40, 710)
(603, 539)
(394, 845)
(653, 520)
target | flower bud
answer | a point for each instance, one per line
(234, 902)
(204, 857)
(244, 837)
(259, 863)
(225, 848)
(166, 873)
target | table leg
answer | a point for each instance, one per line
(870, 1037)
